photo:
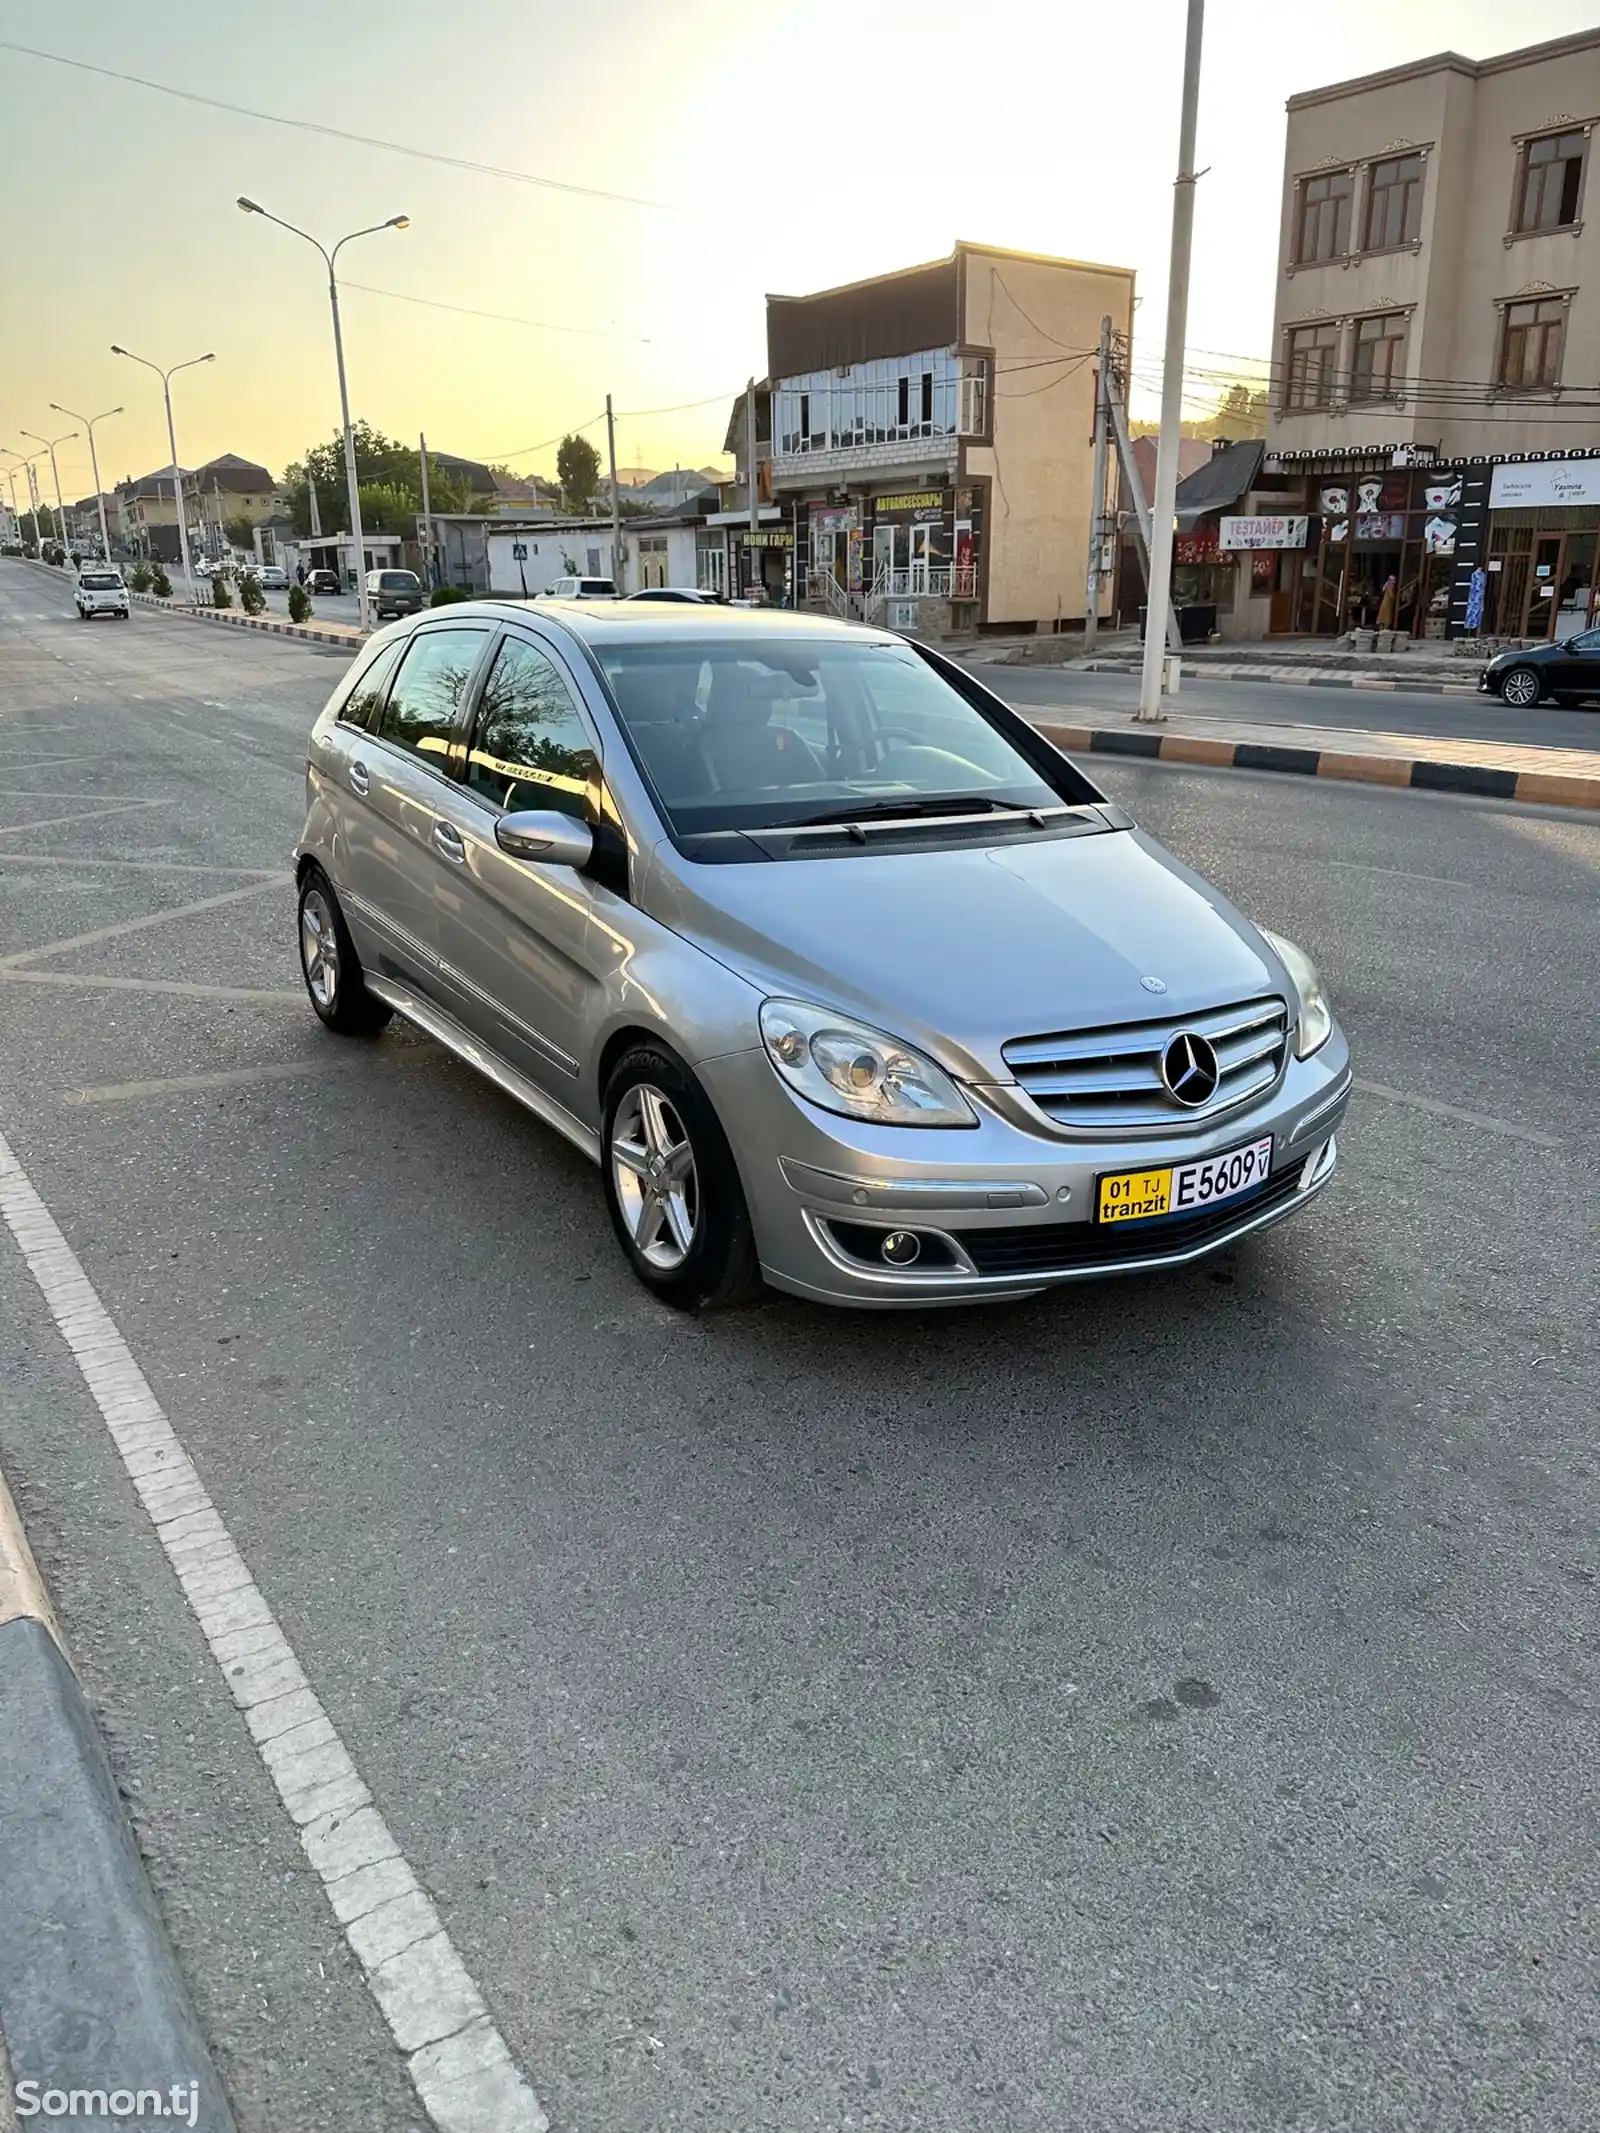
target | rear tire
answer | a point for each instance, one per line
(1521, 688)
(672, 1186)
(330, 966)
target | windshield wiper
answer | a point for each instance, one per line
(907, 809)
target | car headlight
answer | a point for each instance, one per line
(1316, 1016)
(847, 1067)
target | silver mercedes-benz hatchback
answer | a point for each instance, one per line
(845, 977)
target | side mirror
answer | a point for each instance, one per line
(543, 834)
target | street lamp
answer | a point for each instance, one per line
(51, 443)
(395, 222)
(27, 465)
(11, 477)
(166, 377)
(99, 500)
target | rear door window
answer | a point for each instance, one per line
(426, 695)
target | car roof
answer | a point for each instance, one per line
(603, 623)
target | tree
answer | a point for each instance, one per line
(384, 467)
(578, 471)
(239, 531)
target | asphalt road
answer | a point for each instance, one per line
(1289, 704)
(1163, 1704)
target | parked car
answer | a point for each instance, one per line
(274, 578)
(688, 595)
(102, 591)
(392, 593)
(846, 979)
(323, 581)
(581, 589)
(1567, 673)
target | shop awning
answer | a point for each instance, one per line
(1217, 486)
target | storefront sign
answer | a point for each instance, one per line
(923, 503)
(1553, 483)
(769, 540)
(1197, 548)
(831, 518)
(1264, 532)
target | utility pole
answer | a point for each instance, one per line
(427, 515)
(1097, 493)
(617, 572)
(754, 498)
(1165, 505)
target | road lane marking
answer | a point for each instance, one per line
(140, 925)
(151, 866)
(116, 1092)
(1465, 1118)
(98, 814)
(93, 981)
(459, 2063)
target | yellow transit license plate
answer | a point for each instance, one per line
(1182, 1188)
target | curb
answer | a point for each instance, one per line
(91, 1996)
(351, 639)
(1538, 787)
(1295, 677)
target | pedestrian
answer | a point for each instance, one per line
(1391, 588)
(300, 575)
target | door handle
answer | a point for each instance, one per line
(360, 779)
(447, 842)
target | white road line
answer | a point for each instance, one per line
(458, 2061)
(1465, 1118)
(140, 925)
(183, 989)
(128, 807)
(116, 1092)
(141, 866)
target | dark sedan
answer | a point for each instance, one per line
(1565, 673)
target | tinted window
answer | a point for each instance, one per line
(529, 747)
(360, 707)
(427, 692)
(100, 581)
(397, 580)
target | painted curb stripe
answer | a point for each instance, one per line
(459, 2063)
(1488, 781)
(22, 1593)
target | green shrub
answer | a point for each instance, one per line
(160, 583)
(139, 578)
(447, 595)
(251, 598)
(300, 608)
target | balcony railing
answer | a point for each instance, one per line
(933, 581)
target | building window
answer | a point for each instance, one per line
(805, 422)
(1394, 203)
(903, 404)
(1322, 218)
(974, 416)
(1313, 352)
(1380, 357)
(925, 408)
(1550, 182)
(1530, 344)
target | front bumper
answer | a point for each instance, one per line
(1000, 1212)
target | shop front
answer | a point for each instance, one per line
(762, 565)
(1380, 554)
(1542, 549)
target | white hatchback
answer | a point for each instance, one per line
(101, 592)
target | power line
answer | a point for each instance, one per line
(505, 318)
(524, 450)
(335, 133)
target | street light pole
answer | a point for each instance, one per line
(1167, 451)
(166, 377)
(94, 462)
(61, 509)
(395, 222)
(616, 506)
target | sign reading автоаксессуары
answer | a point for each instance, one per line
(1263, 532)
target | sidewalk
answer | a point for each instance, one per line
(1551, 777)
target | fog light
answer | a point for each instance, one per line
(901, 1248)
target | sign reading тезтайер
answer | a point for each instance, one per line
(1263, 532)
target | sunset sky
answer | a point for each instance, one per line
(788, 148)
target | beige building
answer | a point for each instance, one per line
(923, 443)
(1437, 317)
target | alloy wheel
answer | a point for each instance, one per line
(653, 1169)
(319, 949)
(1520, 688)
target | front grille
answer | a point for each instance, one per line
(1109, 1079)
(1057, 1247)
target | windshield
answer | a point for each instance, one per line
(759, 735)
(100, 581)
(397, 581)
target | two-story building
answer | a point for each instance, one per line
(923, 443)
(1433, 453)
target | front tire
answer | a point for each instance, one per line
(330, 966)
(672, 1186)
(1521, 688)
